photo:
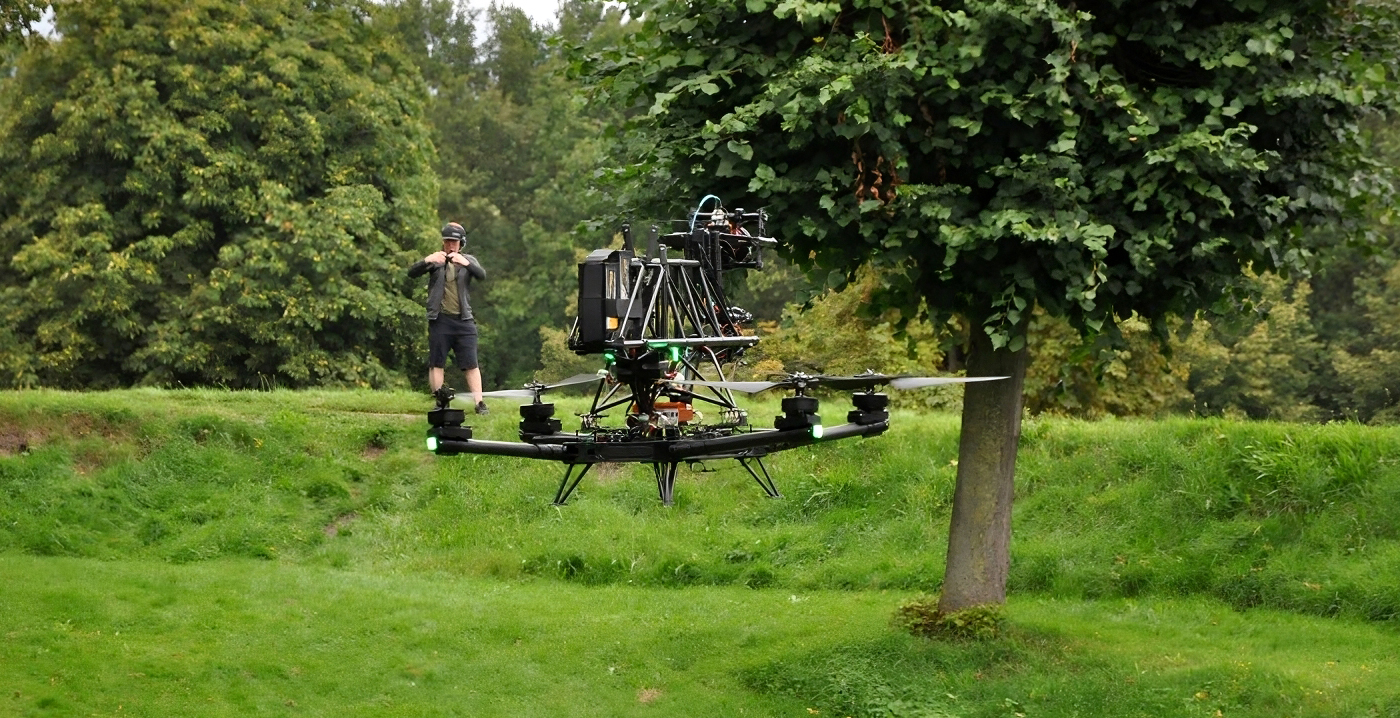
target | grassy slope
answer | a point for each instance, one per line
(1287, 516)
(337, 489)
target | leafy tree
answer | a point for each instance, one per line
(16, 17)
(1259, 364)
(1370, 371)
(1099, 159)
(1312, 348)
(1350, 316)
(438, 35)
(1089, 378)
(831, 336)
(210, 192)
(515, 51)
(516, 160)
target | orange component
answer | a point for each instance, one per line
(684, 412)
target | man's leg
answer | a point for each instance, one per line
(473, 377)
(438, 344)
(471, 371)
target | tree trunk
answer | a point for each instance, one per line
(979, 540)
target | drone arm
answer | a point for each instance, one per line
(500, 448)
(770, 438)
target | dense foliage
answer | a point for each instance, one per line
(1318, 348)
(212, 192)
(516, 156)
(516, 160)
(17, 16)
(1097, 159)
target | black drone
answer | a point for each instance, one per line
(669, 341)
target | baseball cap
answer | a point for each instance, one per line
(452, 230)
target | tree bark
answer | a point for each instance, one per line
(979, 539)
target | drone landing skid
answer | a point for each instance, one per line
(579, 453)
(666, 481)
(766, 482)
(565, 488)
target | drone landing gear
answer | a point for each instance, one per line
(665, 480)
(566, 488)
(765, 482)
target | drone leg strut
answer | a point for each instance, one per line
(765, 482)
(565, 488)
(665, 480)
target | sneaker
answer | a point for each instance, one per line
(481, 408)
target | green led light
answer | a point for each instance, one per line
(609, 357)
(657, 345)
(432, 443)
(675, 353)
(817, 431)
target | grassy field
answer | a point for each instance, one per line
(219, 553)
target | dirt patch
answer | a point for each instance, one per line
(609, 473)
(648, 695)
(88, 462)
(340, 524)
(14, 440)
(83, 425)
(372, 452)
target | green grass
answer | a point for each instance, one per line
(238, 637)
(260, 548)
(1295, 517)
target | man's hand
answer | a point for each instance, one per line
(460, 259)
(436, 258)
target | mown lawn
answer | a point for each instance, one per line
(242, 637)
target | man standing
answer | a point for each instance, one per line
(450, 321)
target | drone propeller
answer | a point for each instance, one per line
(868, 380)
(533, 389)
(919, 382)
(747, 387)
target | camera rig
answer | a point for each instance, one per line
(669, 341)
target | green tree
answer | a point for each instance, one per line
(516, 157)
(1260, 364)
(1098, 159)
(17, 16)
(439, 36)
(1319, 347)
(1370, 371)
(210, 192)
(1091, 377)
(832, 336)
